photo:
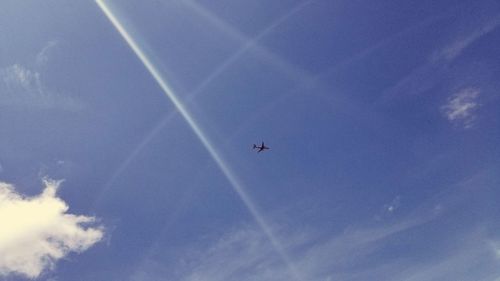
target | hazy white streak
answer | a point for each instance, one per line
(248, 43)
(270, 57)
(144, 142)
(235, 183)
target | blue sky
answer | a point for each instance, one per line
(126, 133)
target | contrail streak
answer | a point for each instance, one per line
(270, 57)
(123, 166)
(248, 44)
(228, 173)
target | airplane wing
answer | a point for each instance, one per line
(261, 147)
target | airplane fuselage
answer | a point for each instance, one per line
(260, 148)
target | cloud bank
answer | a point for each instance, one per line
(35, 232)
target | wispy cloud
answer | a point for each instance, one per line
(19, 76)
(43, 56)
(462, 106)
(472, 259)
(355, 254)
(37, 231)
(394, 205)
(22, 86)
(372, 250)
(432, 71)
(456, 47)
(389, 209)
(245, 254)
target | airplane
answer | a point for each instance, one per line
(260, 148)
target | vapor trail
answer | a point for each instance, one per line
(144, 142)
(248, 44)
(286, 67)
(228, 173)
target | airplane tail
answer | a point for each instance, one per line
(254, 146)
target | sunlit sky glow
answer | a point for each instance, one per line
(128, 126)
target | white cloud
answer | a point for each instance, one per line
(462, 106)
(37, 231)
(433, 71)
(246, 254)
(23, 87)
(470, 260)
(431, 242)
(43, 56)
(356, 254)
(394, 205)
(454, 49)
(243, 253)
(373, 251)
(18, 76)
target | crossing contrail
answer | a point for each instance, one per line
(248, 44)
(235, 183)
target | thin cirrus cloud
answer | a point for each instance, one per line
(453, 50)
(43, 56)
(461, 107)
(23, 87)
(37, 231)
(244, 253)
(372, 250)
(426, 76)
